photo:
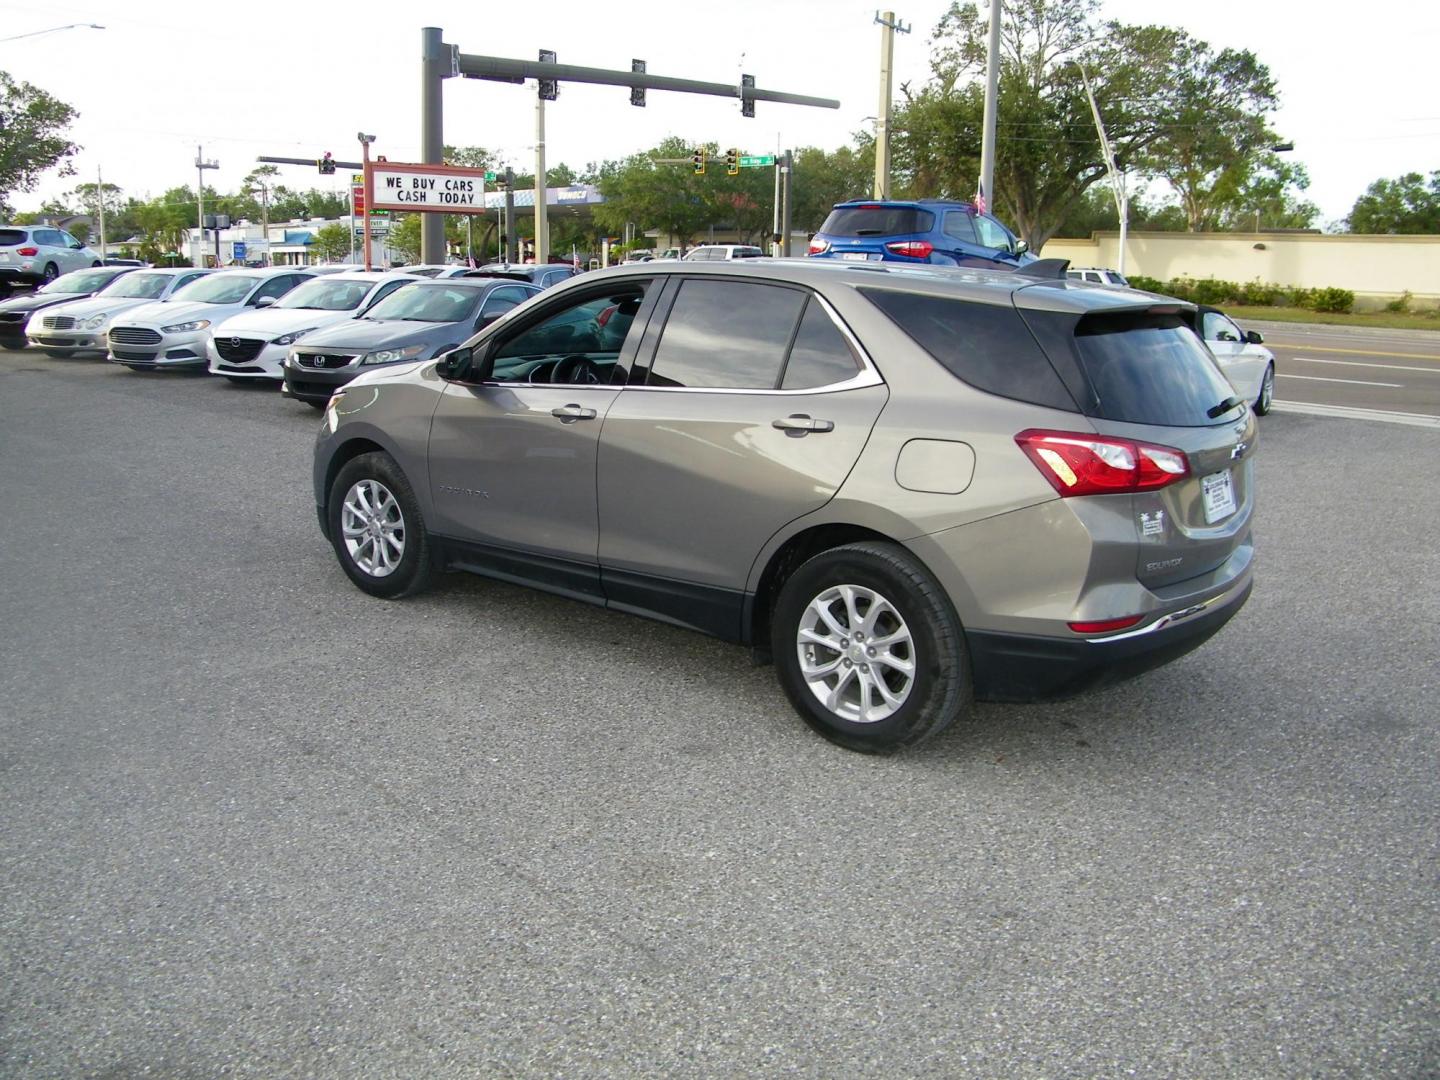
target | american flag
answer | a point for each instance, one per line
(980, 197)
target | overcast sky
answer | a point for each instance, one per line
(301, 77)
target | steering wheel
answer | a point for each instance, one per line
(575, 369)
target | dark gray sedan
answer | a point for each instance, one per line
(15, 312)
(417, 322)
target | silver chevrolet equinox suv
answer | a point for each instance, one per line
(910, 487)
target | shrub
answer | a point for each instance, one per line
(1145, 284)
(1301, 298)
(1257, 294)
(1210, 291)
(1339, 300)
(1400, 305)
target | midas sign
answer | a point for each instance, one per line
(437, 188)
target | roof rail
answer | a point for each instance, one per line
(1044, 268)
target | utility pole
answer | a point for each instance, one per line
(1117, 178)
(545, 90)
(992, 94)
(365, 141)
(511, 240)
(100, 196)
(889, 27)
(787, 172)
(436, 65)
(200, 166)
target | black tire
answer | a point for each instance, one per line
(95, 265)
(318, 406)
(411, 573)
(1267, 391)
(137, 367)
(50, 273)
(238, 380)
(940, 689)
(12, 348)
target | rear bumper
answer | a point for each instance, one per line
(1020, 667)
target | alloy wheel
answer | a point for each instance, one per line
(857, 656)
(373, 528)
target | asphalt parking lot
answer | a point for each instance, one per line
(256, 823)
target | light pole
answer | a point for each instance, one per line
(889, 27)
(1117, 178)
(200, 166)
(365, 141)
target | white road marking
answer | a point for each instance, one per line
(1361, 363)
(1347, 382)
(1345, 413)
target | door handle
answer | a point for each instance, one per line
(798, 425)
(568, 414)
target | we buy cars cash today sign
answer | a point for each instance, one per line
(439, 189)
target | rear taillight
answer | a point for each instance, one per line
(27, 251)
(1078, 464)
(915, 249)
(819, 247)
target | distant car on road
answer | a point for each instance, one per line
(176, 333)
(79, 326)
(1096, 275)
(1242, 356)
(924, 231)
(720, 252)
(15, 312)
(417, 322)
(253, 344)
(38, 254)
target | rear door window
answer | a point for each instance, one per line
(877, 220)
(704, 344)
(820, 355)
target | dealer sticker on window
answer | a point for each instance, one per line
(1218, 491)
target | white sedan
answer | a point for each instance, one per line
(175, 333)
(253, 344)
(1248, 365)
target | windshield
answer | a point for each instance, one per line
(140, 286)
(84, 281)
(218, 289)
(427, 303)
(327, 295)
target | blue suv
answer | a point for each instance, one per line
(925, 231)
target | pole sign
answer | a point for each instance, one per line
(756, 161)
(238, 249)
(435, 189)
(357, 198)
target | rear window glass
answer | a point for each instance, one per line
(985, 345)
(1148, 368)
(11, 237)
(877, 221)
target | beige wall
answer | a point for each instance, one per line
(1374, 268)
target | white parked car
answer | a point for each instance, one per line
(38, 254)
(1097, 275)
(712, 252)
(79, 326)
(253, 344)
(176, 333)
(1243, 358)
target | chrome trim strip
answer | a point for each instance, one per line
(1170, 619)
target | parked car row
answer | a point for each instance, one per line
(243, 324)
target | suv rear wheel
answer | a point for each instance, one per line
(376, 528)
(868, 648)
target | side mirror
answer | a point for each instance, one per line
(1254, 338)
(264, 301)
(1021, 247)
(485, 320)
(455, 364)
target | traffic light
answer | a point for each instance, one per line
(549, 88)
(732, 162)
(697, 159)
(326, 165)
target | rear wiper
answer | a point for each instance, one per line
(1224, 407)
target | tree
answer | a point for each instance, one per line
(404, 238)
(1048, 154)
(823, 179)
(33, 135)
(332, 243)
(1269, 199)
(1214, 135)
(1407, 204)
(657, 189)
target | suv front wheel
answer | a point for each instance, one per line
(868, 648)
(376, 528)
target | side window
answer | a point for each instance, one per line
(820, 356)
(70, 241)
(578, 344)
(384, 291)
(960, 226)
(704, 344)
(1091, 275)
(48, 238)
(1219, 328)
(992, 235)
(183, 280)
(276, 287)
(501, 301)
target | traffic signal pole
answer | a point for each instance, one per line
(435, 68)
